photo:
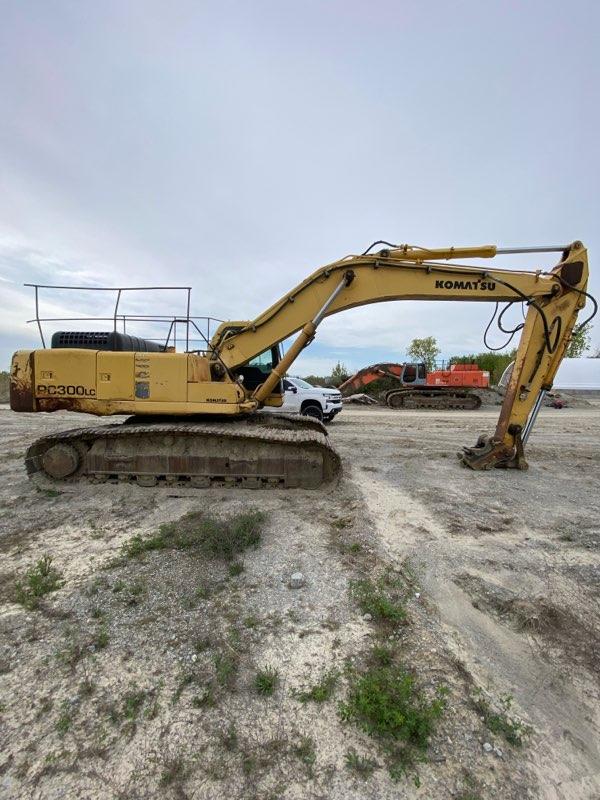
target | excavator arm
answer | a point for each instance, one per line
(367, 375)
(553, 300)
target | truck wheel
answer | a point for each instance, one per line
(313, 410)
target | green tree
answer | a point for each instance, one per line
(339, 374)
(424, 351)
(580, 342)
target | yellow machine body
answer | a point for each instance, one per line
(107, 383)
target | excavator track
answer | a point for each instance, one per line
(438, 399)
(264, 451)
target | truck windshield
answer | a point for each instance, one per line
(301, 384)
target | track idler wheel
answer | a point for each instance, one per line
(60, 461)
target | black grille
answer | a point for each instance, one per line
(101, 340)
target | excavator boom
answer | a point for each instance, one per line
(241, 372)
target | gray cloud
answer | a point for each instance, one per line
(236, 146)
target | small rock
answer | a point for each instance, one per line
(417, 595)
(487, 747)
(297, 580)
(367, 617)
(498, 752)
(194, 657)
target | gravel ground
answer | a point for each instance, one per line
(136, 678)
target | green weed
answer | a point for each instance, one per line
(500, 722)
(322, 691)
(385, 702)
(226, 667)
(39, 580)
(266, 681)
(304, 750)
(377, 599)
(222, 538)
(361, 765)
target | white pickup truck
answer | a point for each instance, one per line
(312, 401)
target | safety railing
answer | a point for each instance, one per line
(123, 323)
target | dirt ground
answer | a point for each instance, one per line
(135, 679)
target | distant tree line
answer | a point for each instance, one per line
(426, 351)
(4, 380)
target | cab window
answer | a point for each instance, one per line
(263, 362)
(410, 373)
(258, 368)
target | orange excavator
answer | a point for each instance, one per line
(419, 388)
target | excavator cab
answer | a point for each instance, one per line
(415, 374)
(255, 371)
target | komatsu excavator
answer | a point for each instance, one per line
(195, 416)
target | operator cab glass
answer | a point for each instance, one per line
(409, 374)
(414, 373)
(258, 369)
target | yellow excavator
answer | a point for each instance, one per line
(194, 417)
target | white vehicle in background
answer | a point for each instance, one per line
(299, 397)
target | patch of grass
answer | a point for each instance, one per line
(377, 599)
(185, 680)
(249, 764)
(229, 738)
(385, 702)
(134, 592)
(152, 711)
(49, 492)
(322, 691)
(251, 621)
(221, 538)
(173, 771)
(73, 651)
(304, 750)
(500, 722)
(132, 704)
(202, 592)
(101, 638)
(94, 587)
(38, 580)
(382, 655)
(363, 766)
(202, 644)
(87, 687)
(342, 522)
(235, 569)
(226, 668)
(204, 700)
(64, 722)
(266, 681)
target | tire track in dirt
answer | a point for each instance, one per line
(563, 753)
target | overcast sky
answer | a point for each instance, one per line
(237, 146)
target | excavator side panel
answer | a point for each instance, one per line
(106, 383)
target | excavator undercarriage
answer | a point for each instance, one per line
(259, 452)
(438, 399)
